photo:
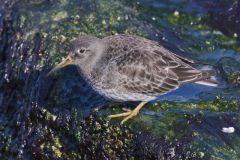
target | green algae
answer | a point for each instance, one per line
(214, 149)
(54, 146)
(217, 105)
(59, 16)
(174, 121)
(98, 137)
(116, 18)
(234, 78)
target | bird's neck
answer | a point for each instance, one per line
(93, 65)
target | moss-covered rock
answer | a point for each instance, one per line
(60, 117)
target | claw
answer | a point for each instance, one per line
(129, 114)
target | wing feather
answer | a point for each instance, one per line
(143, 66)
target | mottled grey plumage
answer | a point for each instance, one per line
(132, 68)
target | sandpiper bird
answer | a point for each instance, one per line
(131, 68)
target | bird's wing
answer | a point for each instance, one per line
(145, 67)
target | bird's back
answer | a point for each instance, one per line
(135, 68)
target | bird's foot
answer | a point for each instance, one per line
(129, 113)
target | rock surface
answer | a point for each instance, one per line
(55, 118)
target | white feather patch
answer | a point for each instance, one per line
(206, 83)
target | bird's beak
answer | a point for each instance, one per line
(64, 63)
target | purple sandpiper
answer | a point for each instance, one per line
(131, 68)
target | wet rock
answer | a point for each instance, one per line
(72, 92)
(225, 16)
(60, 117)
(230, 69)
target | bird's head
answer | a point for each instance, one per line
(85, 51)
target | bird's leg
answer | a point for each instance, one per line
(129, 113)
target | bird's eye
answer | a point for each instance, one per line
(79, 52)
(82, 50)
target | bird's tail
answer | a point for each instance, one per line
(208, 78)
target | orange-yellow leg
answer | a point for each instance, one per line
(129, 114)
